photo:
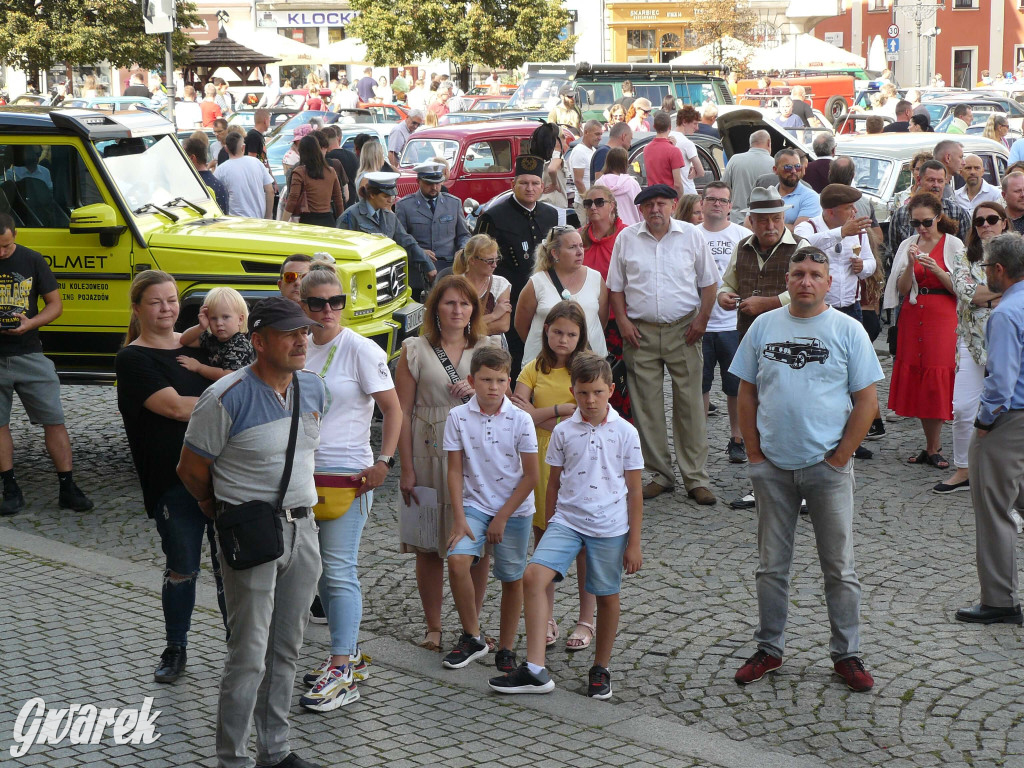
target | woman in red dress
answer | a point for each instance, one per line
(924, 368)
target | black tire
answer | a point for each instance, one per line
(801, 361)
(835, 107)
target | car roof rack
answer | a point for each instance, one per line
(640, 68)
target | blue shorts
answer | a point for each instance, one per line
(560, 544)
(719, 348)
(509, 555)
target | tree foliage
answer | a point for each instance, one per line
(39, 34)
(492, 33)
(715, 19)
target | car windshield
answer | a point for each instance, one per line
(537, 93)
(872, 174)
(935, 112)
(421, 150)
(150, 169)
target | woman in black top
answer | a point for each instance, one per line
(156, 395)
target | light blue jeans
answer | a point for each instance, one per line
(340, 593)
(829, 495)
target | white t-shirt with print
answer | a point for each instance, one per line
(721, 244)
(358, 369)
(490, 445)
(689, 150)
(594, 460)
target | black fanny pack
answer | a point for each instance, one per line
(252, 533)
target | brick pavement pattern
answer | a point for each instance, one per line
(946, 693)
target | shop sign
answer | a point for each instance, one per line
(307, 18)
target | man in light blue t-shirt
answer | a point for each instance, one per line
(806, 400)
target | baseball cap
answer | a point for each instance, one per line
(278, 313)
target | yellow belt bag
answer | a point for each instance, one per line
(334, 494)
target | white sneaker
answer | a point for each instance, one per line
(360, 664)
(334, 689)
(311, 677)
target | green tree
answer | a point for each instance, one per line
(715, 19)
(492, 33)
(39, 34)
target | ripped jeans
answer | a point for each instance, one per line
(181, 525)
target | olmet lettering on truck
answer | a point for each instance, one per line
(106, 196)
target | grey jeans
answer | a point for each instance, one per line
(829, 495)
(268, 607)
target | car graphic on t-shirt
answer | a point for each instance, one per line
(796, 354)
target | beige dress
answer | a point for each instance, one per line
(429, 414)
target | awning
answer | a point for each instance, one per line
(803, 51)
(347, 51)
(290, 52)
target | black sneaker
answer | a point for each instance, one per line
(13, 502)
(600, 685)
(862, 453)
(172, 664)
(316, 611)
(505, 661)
(737, 452)
(294, 761)
(468, 649)
(712, 408)
(877, 430)
(71, 497)
(522, 681)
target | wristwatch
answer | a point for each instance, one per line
(389, 460)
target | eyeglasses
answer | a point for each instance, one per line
(987, 264)
(790, 168)
(317, 304)
(600, 202)
(291, 277)
(818, 257)
(992, 220)
(717, 200)
(926, 223)
(562, 230)
(488, 262)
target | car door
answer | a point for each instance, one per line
(486, 169)
(43, 184)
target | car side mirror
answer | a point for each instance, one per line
(97, 219)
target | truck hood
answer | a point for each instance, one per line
(262, 237)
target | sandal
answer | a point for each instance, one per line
(938, 461)
(921, 458)
(553, 634)
(429, 644)
(582, 639)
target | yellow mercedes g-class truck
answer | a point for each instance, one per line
(105, 196)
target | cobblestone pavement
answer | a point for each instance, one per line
(946, 693)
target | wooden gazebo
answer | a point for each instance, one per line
(247, 64)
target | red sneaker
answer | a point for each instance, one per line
(756, 667)
(853, 672)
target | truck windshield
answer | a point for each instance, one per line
(150, 169)
(537, 93)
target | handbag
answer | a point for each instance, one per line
(334, 494)
(252, 533)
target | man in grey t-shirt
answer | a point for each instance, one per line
(234, 452)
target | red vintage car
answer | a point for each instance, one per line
(481, 156)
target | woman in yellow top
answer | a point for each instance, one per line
(543, 391)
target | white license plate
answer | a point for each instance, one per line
(413, 320)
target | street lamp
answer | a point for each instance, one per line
(920, 11)
(932, 36)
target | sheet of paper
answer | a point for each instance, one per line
(417, 521)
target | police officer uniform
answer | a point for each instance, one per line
(363, 217)
(518, 232)
(437, 223)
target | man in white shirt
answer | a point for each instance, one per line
(187, 113)
(26, 165)
(687, 121)
(663, 281)
(743, 169)
(250, 185)
(344, 97)
(271, 94)
(976, 190)
(579, 162)
(839, 232)
(721, 339)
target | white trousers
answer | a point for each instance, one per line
(967, 387)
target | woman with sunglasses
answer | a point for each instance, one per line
(616, 114)
(356, 377)
(973, 306)
(431, 380)
(615, 177)
(925, 364)
(996, 129)
(476, 262)
(559, 274)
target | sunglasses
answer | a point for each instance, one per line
(600, 202)
(992, 220)
(814, 255)
(790, 168)
(317, 304)
(291, 277)
(488, 262)
(926, 223)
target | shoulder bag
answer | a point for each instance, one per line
(252, 533)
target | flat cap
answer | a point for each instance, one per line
(653, 191)
(838, 194)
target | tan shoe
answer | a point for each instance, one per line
(653, 490)
(702, 496)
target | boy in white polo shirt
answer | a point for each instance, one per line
(594, 500)
(492, 471)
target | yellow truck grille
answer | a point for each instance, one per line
(391, 282)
